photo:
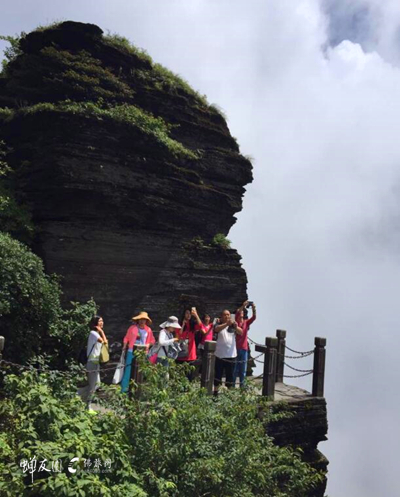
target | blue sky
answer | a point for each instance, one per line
(312, 92)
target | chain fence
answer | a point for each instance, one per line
(59, 371)
(114, 366)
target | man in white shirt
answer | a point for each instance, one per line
(225, 352)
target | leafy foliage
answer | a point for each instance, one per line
(220, 240)
(172, 441)
(42, 416)
(11, 52)
(31, 317)
(14, 218)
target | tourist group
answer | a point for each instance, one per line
(180, 342)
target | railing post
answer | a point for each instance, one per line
(137, 375)
(1, 347)
(208, 366)
(319, 367)
(280, 358)
(269, 372)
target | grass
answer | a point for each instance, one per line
(218, 110)
(51, 25)
(220, 240)
(81, 74)
(105, 83)
(123, 44)
(176, 83)
(164, 79)
(130, 115)
(6, 113)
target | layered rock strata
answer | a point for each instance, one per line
(128, 173)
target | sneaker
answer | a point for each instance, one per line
(92, 411)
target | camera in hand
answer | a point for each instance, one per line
(249, 305)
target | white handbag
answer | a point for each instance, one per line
(119, 372)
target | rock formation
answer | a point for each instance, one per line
(129, 175)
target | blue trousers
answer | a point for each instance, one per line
(241, 366)
(127, 371)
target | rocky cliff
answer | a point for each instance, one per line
(128, 172)
(305, 426)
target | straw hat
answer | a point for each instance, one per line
(142, 315)
(171, 322)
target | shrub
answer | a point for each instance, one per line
(40, 419)
(11, 52)
(220, 240)
(14, 218)
(29, 300)
(31, 317)
(173, 441)
(196, 243)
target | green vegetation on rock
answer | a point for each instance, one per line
(162, 78)
(127, 114)
(14, 217)
(220, 240)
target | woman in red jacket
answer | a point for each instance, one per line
(139, 333)
(188, 331)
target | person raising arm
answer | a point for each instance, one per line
(242, 345)
(225, 352)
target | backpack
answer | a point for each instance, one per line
(82, 356)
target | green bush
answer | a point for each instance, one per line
(31, 317)
(220, 240)
(14, 218)
(172, 441)
(11, 52)
(42, 416)
(29, 300)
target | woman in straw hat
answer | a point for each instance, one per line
(166, 338)
(138, 333)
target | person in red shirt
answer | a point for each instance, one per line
(188, 332)
(205, 329)
(242, 344)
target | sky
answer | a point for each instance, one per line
(311, 89)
